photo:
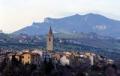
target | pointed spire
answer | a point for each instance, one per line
(50, 31)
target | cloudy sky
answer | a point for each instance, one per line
(16, 14)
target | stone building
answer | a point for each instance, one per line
(50, 40)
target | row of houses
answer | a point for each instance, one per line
(37, 56)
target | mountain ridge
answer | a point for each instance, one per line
(76, 23)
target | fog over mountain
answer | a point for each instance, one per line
(75, 24)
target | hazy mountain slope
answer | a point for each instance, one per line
(76, 23)
(90, 39)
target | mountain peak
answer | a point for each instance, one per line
(76, 15)
(79, 23)
(91, 15)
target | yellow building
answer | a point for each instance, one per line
(26, 57)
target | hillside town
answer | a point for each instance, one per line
(49, 62)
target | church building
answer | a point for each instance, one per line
(50, 40)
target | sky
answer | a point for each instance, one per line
(17, 14)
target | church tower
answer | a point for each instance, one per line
(50, 40)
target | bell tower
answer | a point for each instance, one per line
(50, 40)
